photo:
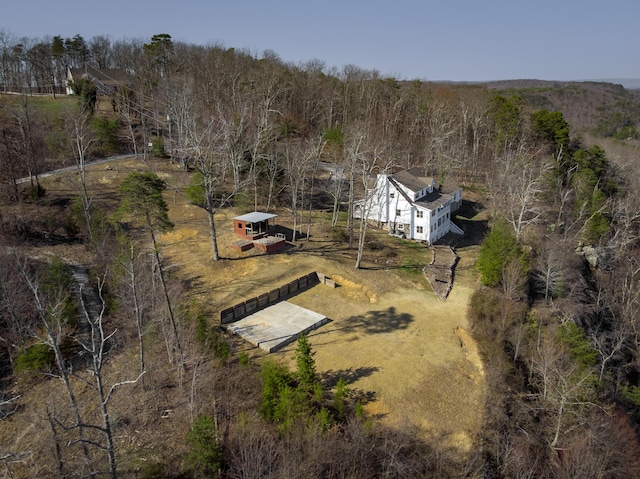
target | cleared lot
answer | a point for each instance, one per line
(403, 352)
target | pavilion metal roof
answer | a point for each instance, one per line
(255, 217)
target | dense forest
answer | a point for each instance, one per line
(556, 312)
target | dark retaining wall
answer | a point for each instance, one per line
(240, 310)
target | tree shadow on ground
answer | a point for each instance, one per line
(474, 228)
(374, 322)
(474, 232)
(195, 284)
(469, 209)
(365, 397)
(288, 233)
(324, 248)
(330, 378)
(389, 267)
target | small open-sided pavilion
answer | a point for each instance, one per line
(255, 230)
(252, 226)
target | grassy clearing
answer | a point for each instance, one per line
(52, 107)
(389, 336)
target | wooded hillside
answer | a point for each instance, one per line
(105, 338)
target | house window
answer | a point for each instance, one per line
(432, 213)
(400, 226)
(419, 214)
(398, 212)
(392, 195)
(419, 229)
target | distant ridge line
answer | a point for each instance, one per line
(627, 83)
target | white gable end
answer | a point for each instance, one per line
(410, 206)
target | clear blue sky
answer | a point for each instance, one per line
(464, 40)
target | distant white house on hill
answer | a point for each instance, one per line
(409, 204)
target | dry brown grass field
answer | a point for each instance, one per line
(388, 334)
(404, 351)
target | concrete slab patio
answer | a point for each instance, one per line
(276, 326)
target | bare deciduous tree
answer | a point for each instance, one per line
(142, 199)
(523, 177)
(54, 324)
(95, 345)
(564, 388)
(135, 294)
(82, 137)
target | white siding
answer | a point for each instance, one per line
(388, 205)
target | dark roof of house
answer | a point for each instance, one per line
(430, 201)
(106, 77)
(413, 179)
(433, 200)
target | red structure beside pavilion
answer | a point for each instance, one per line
(255, 230)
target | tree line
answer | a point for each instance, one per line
(557, 310)
(556, 315)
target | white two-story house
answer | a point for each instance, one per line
(409, 204)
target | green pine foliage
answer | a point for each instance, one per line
(36, 192)
(579, 345)
(631, 394)
(498, 249)
(108, 132)
(291, 405)
(203, 331)
(196, 191)
(275, 379)
(142, 201)
(307, 375)
(205, 453)
(339, 398)
(322, 420)
(37, 358)
(244, 359)
(334, 136)
(592, 161)
(56, 276)
(550, 126)
(87, 93)
(593, 186)
(220, 346)
(507, 117)
(290, 398)
(157, 147)
(626, 132)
